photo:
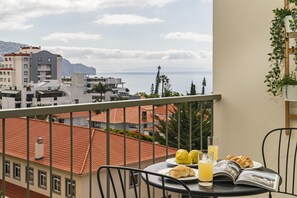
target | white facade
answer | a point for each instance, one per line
(46, 93)
(246, 111)
(19, 69)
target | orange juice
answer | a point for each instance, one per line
(205, 170)
(214, 150)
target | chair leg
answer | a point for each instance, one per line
(270, 195)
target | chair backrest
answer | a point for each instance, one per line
(279, 153)
(115, 175)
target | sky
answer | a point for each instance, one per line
(115, 35)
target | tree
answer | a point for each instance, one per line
(158, 80)
(203, 86)
(152, 89)
(192, 89)
(100, 88)
(165, 81)
(201, 112)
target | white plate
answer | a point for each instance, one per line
(256, 165)
(171, 161)
(165, 171)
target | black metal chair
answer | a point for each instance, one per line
(279, 153)
(116, 174)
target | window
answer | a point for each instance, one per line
(16, 171)
(42, 179)
(26, 59)
(25, 73)
(133, 178)
(25, 66)
(8, 79)
(39, 66)
(31, 175)
(1, 79)
(49, 59)
(69, 189)
(39, 59)
(8, 73)
(57, 184)
(7, 168)
(25, 79)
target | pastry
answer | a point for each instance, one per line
(181, 171)
(243, 161)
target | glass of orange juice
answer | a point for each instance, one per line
(213, 147)
(205, 171)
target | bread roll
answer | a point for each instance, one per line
(181, 171)
(243, 161)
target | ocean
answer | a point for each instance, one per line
(180, 81)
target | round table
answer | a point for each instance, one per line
(219, 189)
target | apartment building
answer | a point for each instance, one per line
(115, 86)
(39, 170)
(45, 93)
(30, 64)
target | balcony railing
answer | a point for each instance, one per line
(192, 107)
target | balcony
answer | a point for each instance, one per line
(70, 154)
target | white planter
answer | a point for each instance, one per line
(287, 23)
(290, 93)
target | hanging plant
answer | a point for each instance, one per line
(277, 32)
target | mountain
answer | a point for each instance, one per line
(67, 67)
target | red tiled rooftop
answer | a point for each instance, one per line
(16, 145)
(15, 191)
(18, 54)
(74, 115)
(116, 115)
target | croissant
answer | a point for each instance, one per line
(243, 161)
(181, 171)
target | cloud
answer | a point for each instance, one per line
(188, 36)
(66, 37)
(15, 14)
(126, 19)
(102, 53)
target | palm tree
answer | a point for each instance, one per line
(165, 80)
(100, 88)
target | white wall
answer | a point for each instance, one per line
(241, 44)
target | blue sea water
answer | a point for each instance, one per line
(180, 81)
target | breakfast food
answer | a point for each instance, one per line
(181, 171)
(243, 161)
(182, 157)
(196, 155)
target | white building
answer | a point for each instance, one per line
(31, 64)
(115, 85)
(46, 93)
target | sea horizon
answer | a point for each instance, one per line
(139, 81)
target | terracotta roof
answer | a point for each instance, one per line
(74, 115)
(15, 191)
(6, 68)
(19, 54)
(16, 145)
(116, 115)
